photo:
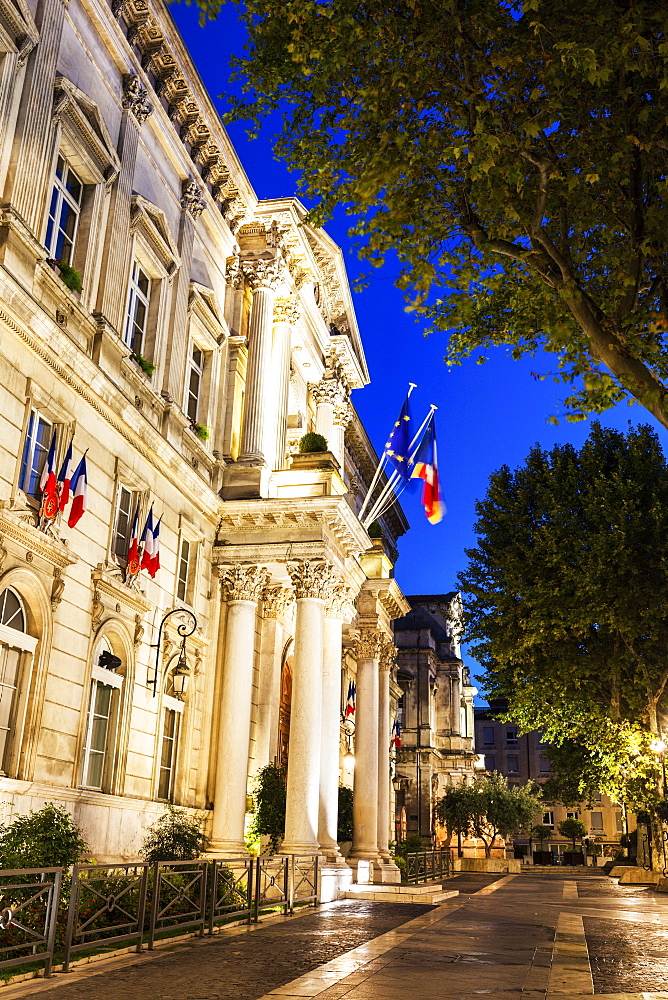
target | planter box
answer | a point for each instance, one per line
(572, 858)
(543, 858)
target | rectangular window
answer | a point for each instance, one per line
(572, 815)
(136, 323)
(489, 762)
(513, 763)
(64, 212)
(545, 765)
(35, 449)
(548, 818)
(9, 669)
(195, 369)
(597, 821)
(170, 731)
(182, 586)
(97, 730)
(125, 505)
(511, 737)
(488, 736)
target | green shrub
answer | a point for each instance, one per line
(175, 836)
(344, 829)
(311, 443)
(269, 798)
(375, 530)
(202, 431)
(70, 275)
(146, 366)
(48, 838)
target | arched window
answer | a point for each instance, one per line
(16, 652)
(172, 713)
(102, 719)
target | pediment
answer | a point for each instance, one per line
(18, 30)
(85, 137)
(151, 222)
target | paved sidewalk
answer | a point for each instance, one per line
(512, 938)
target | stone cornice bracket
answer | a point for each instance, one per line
(312, 579)
(286, 310)
(191, 198)
(243, 582)
(368, 644)
(388, 655)
(276, 601)
(340, 602)
(135, 98)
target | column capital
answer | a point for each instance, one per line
(312, 579)
(286, 310)
(388, 654)
(368, 643)
(339, 602)
(276, 601)
(243, 582)
(191, 198)
(258, 272)
(330, 390)
(343, 414)
(135, 98)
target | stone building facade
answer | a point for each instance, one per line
(435, 711)
(211, 331)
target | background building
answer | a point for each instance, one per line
(183, 336)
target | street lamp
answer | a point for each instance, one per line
(181, 675)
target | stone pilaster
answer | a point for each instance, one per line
(192, 206)
(28, 181)
(242, 588)
(277, 606)
(368, 646)
(336, 610)
(331, 396)
(286, 315)
(264, 275)
(311, 582)
(113, 293)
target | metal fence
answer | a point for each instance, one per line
(425, 866)
(137, 903)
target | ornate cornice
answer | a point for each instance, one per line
(276, 601)
(135, 99)
(191, 198)
(286, 310)
(368, 644)
(18, 526)
(243, 582)
(312, 579)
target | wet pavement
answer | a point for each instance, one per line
(503, 938)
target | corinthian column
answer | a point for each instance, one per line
(264, 275)
(286, 315)
(387, 660)
(331, 399)
(311, 582)
(242, 587)
(365, 784)
(335, 612)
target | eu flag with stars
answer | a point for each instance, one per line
(396, 449)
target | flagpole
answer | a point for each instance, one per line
(411, 386)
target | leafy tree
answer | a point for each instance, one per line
(541, 833)
(565, 604)
(511, 154)
(456, 811)
(47, 838)
(572, 829)
(500, 810)
(175, 836)
(269, 796)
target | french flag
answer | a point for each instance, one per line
(350, 704)
(396, 735)
(425, 467)
(64, 478)
(133, 551)
(79, 487)
(47, 482)
(150, 560)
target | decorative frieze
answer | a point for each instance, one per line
(312, 579)
(135, 98)
(368, 643)
(243, 582)
(276, 602)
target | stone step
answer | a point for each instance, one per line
(428, 894)
(561, 870)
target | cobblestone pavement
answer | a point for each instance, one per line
(504, 938)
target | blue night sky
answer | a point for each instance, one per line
(488, 415)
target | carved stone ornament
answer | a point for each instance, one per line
(191, 198)
(368, 644)
(3, 552)
(343, 414)
(333, 388)
(276, 601)
(339, 602)
(287, 310)
(135, 98)
(388, 655)
(243, 583)
(57, 589)
(312, 579)
(98, 610)
(263, 272)
(139, 630)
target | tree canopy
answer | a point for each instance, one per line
(513, 155)
(566, 604)
(488, 808)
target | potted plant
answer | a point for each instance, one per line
(201, 430)
(146, 366)
(68, 275)
(573, 828)
(541, 833)
(312, 443)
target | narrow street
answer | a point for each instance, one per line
(505, 937)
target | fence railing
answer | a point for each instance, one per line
(137, 903)
(425, 866)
